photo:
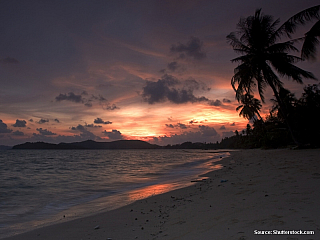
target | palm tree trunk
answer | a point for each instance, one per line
(283, 111)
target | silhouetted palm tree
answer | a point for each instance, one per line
(250, 107)
(289, 101)
(257, 40)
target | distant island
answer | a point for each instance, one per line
(120, 144)
(89, 144)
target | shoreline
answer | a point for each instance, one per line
(121, 198)
(255, 190)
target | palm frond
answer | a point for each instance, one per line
(309, 49)
(283, 64)
(290, 26)
(282, 47)
(236, 43)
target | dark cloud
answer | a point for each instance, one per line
(85, 99)
(195, 85)
(100, 121)
(9, 60)
(20, 123)
(113, 135)
(85, 134)
(4, 128)
(172, 66)
(233, 124)
(164, 90)
(227, 134)
(204, 134)
(30, 120)
(225, 100)
(182, 126)
(80, 128)
(222, 128)
(178, 125)
(193, 121)
(93, 126)
(109, 107)
(18, 133)
(70, 97)
(192, 49)
(45, 132)
(207, 131)
(57, 120)
(42, 120)
(215, 103)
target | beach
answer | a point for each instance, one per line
(256, 195)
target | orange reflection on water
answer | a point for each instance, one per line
(151, 191)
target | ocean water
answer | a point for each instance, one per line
(42, 187)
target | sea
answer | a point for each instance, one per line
(43, 187)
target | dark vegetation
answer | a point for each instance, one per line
(272, 132)
(265, 58)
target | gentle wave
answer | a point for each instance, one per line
(38, 186)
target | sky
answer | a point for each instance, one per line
(157, 71)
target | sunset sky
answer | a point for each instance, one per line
(157, 71)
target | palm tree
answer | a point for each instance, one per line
(262, 56)
(289, 101)
(250, 107)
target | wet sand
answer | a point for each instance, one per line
(262, 190)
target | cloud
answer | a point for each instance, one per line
(222, 128)
(4, 128)
(179, 125)
(100, 121)
(45, 132)
(225, 100)
(20, 123)
(233, 124)
(215, 103)
(113, 135)
(109, 107)
(18, 133)
(85, 134)
(56, 120)
(70, 97)
(193, 121)
(85, 99)
(192, 49)
(93, 126)
(207, 131)
(204, 134)
(182, 126)
(30, 120)
(164, 90)
(9, 60)
(42, 120)
(78, 128)
(227, 134)
(172, 66)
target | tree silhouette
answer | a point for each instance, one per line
(264, 58)
(250, 107)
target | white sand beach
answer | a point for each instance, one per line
(262, 190)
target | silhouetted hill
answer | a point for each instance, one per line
(89, 144)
